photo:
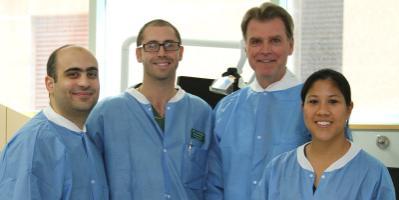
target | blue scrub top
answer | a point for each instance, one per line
(356, 175)
(50, 158)
(144, 162)
(252, 126)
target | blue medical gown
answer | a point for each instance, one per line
(357, 177)
(45, 161)
(144, 162)
(251, 128)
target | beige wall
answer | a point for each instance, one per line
(371, 60)
(16, 63)
(10, 122)
(3, 136)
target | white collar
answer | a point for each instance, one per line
(289, 80)
(142, 99)
(62, 121)
(341, 162)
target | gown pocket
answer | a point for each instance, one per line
(194, 167)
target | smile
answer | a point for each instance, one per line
(323, 123)
(83, 94)
(162, 64)
(266, 60)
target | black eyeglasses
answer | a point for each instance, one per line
(155, 46)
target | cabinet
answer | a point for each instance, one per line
(367, 140)
(3, 136)
(10, 122)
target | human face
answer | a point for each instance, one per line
(268, 48)
(77, 87)
(159, 65)
(325, 111)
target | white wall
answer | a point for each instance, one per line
(370, 58)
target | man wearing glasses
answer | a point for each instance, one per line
(154, 137)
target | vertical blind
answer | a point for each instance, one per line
(49, 33)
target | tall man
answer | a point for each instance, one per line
(154, 137)
(258, 122)
(51, 156)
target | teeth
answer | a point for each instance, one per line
(265, 61)
(324, 123)
(162, 63)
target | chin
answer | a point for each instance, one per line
(84, 107)
(324, 137)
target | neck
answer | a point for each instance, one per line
(329, 149)
(265, 81)
(76, 117)
(78, 120)
(158, 94)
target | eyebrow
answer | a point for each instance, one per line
(333, 95)
(156, 41)
(80, 69)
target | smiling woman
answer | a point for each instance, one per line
(329, 162)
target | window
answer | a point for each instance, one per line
(49, 33)
(30, 31)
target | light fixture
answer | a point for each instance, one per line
(228, 83)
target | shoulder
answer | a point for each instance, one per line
(113, 100)
(234, 98)
(292, 93)
(38, 128)
(285, 163)
(38, 140)
(374, 172)
(198, 102)
(372, 163)
(285, 158)
(112, 104)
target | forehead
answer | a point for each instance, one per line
(266, 28)
(324, 87)
(75, 57)
(159, 33)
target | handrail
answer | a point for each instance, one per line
(374, 127)
(187, 42)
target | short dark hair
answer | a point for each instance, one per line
(52, 60)
(337, 78)
(268, 11)
(156, 22)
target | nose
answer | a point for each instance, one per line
(161, 51)
(84, 81)
(323, 109)
(266, 47)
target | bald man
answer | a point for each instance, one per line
(51, 156)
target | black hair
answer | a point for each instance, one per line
(337, 78)
(51, 62)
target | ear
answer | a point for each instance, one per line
(139, 55)
(181, 50)
(49, 81)
(244, 44)
(350, 107)
(291, 43)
